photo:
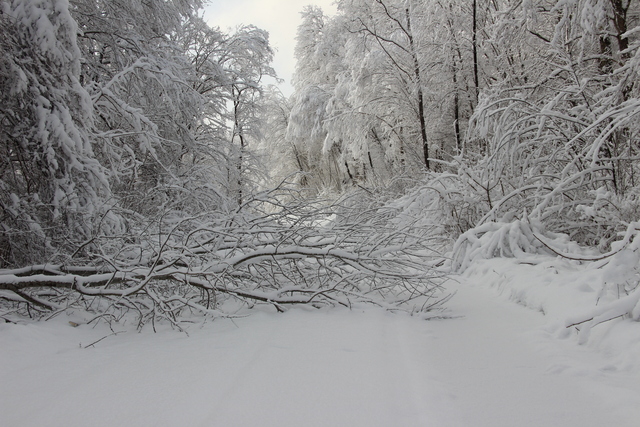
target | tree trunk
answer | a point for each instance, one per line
(238, 131)
(456, 105)
(474, 41)
(416, 70)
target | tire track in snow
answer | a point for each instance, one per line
(428, 397)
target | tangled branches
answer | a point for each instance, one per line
(182, 266)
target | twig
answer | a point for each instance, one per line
(576, 257)
(106, 336)
(600, 322)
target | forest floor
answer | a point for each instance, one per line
(492, 362)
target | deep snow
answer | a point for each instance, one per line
(492, 363)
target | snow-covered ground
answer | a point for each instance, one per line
(492, 363)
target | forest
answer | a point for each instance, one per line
(148, 172)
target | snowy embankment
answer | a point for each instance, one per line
(591, 297)
(568, 293)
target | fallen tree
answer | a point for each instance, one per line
(266, 252)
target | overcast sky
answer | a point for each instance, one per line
(279, 17)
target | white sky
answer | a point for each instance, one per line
(279, 17)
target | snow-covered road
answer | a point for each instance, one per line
(490, 365)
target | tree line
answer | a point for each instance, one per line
(506, 108)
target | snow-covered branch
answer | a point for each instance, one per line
(184, 264)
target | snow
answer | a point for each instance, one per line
(489, 362)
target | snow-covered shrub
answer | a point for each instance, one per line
(620, 277)
(521, 239)
(516, 239)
